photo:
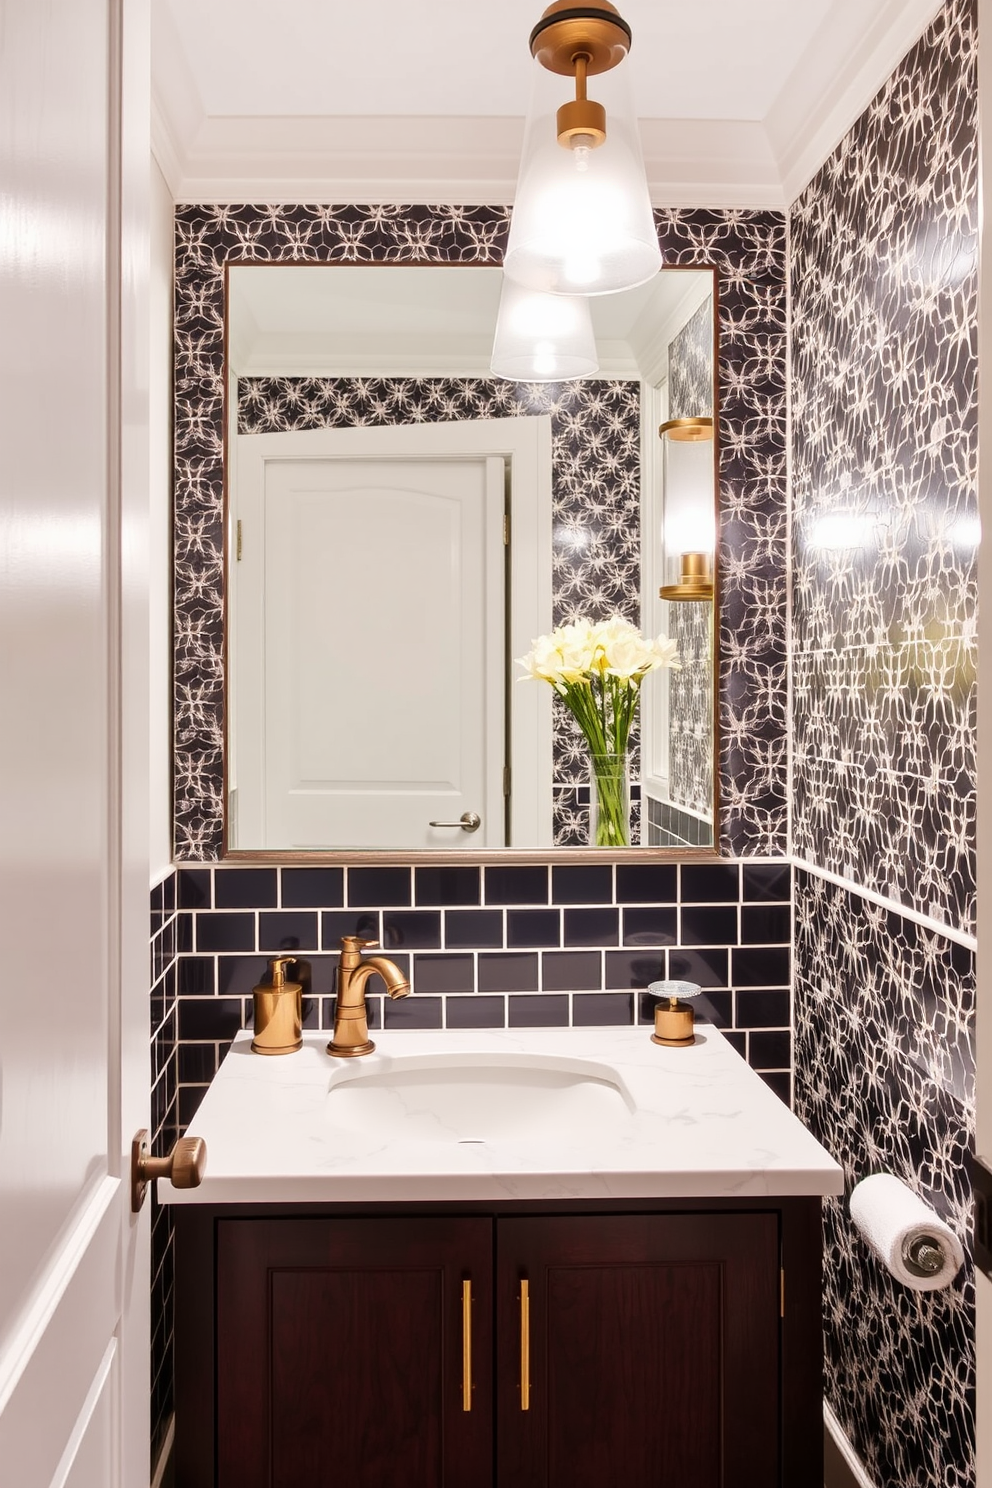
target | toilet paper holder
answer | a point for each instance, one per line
(923, 1255)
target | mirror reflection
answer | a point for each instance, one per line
(404, 526)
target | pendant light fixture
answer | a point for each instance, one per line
(543, 337)
(582, 221)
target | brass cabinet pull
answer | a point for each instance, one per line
(184, 1167)
(466, 1345)
(524, 1345)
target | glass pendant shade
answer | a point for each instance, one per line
(582, 221)
(542, 337)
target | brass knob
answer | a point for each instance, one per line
(184, 1167)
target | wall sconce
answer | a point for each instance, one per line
(695, 579)
(687, 430)
(542, 337)
(582, 221)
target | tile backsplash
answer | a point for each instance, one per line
(495, 947)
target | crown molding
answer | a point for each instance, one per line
(813, 113)
(441, 159)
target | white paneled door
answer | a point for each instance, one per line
(73, 748)
(371, 637)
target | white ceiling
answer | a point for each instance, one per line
(740, 100)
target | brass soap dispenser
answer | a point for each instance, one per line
(278, 1011)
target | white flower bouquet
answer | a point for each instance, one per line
(596, 668)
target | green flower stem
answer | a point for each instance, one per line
(609, 782)
(604, 707)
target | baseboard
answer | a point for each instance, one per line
(842, 1467)
(162, 1475)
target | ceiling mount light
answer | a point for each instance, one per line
(582, 221)
(542, 337)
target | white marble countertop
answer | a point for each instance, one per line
(687, 1122)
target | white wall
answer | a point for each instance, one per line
(160, 529)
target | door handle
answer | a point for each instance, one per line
(469, 821)
(466, 1345)
(184, 1166)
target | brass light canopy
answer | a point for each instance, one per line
(582, 221)
(580, 42)
(695, 579)
(687, 430)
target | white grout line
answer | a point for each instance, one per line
(937, 927)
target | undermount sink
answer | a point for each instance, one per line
(482, 1099)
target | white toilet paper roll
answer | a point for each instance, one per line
(891, 1217)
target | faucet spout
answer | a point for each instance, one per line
(351, 1028)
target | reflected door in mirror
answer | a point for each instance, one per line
(374, 590)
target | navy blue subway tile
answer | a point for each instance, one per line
(571, 971)
(286, 930)
(237, 976)
(197, 1063)
(763, 1008)
(533, 927)
(225, 932)
(707, 966)
(312, 888)
(196, 976)
(634, 968)
(338, 923)
(708, 924)
(413, 1012)
(710, 883)
(443, 974)
(766, 924)
(378, 886)
(190, 1097)
(475, 1012)
(767, 881)
(471, 929)
(447, 886)
(647, 883)
(169, 893)
(602, 1009)
(538, 1011)
(209, 1018)
(781, 1082)
(582, 883)
(183, 925)
(650, 926)
(508, 971)
(193, 888)
(592, 927)
(716, 1007)
(761, 966)
(415, 929)
(246, 888)
(516, 885)
(770, 1050)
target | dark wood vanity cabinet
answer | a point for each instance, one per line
(598, 1349)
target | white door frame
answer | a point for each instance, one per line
(526, 444)
(74, 1357)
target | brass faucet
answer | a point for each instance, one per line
(351, 1028)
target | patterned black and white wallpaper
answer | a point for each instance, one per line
(884, 280)
(690, 366)
(690, 715)
(747, 248)
(595, 498)
(884, 264)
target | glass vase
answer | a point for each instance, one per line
(609, 800)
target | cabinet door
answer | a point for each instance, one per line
(653, 1352)
(342, 1353)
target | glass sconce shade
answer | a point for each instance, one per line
(542, 337)
(582, 221)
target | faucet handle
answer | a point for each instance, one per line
(356, 943)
